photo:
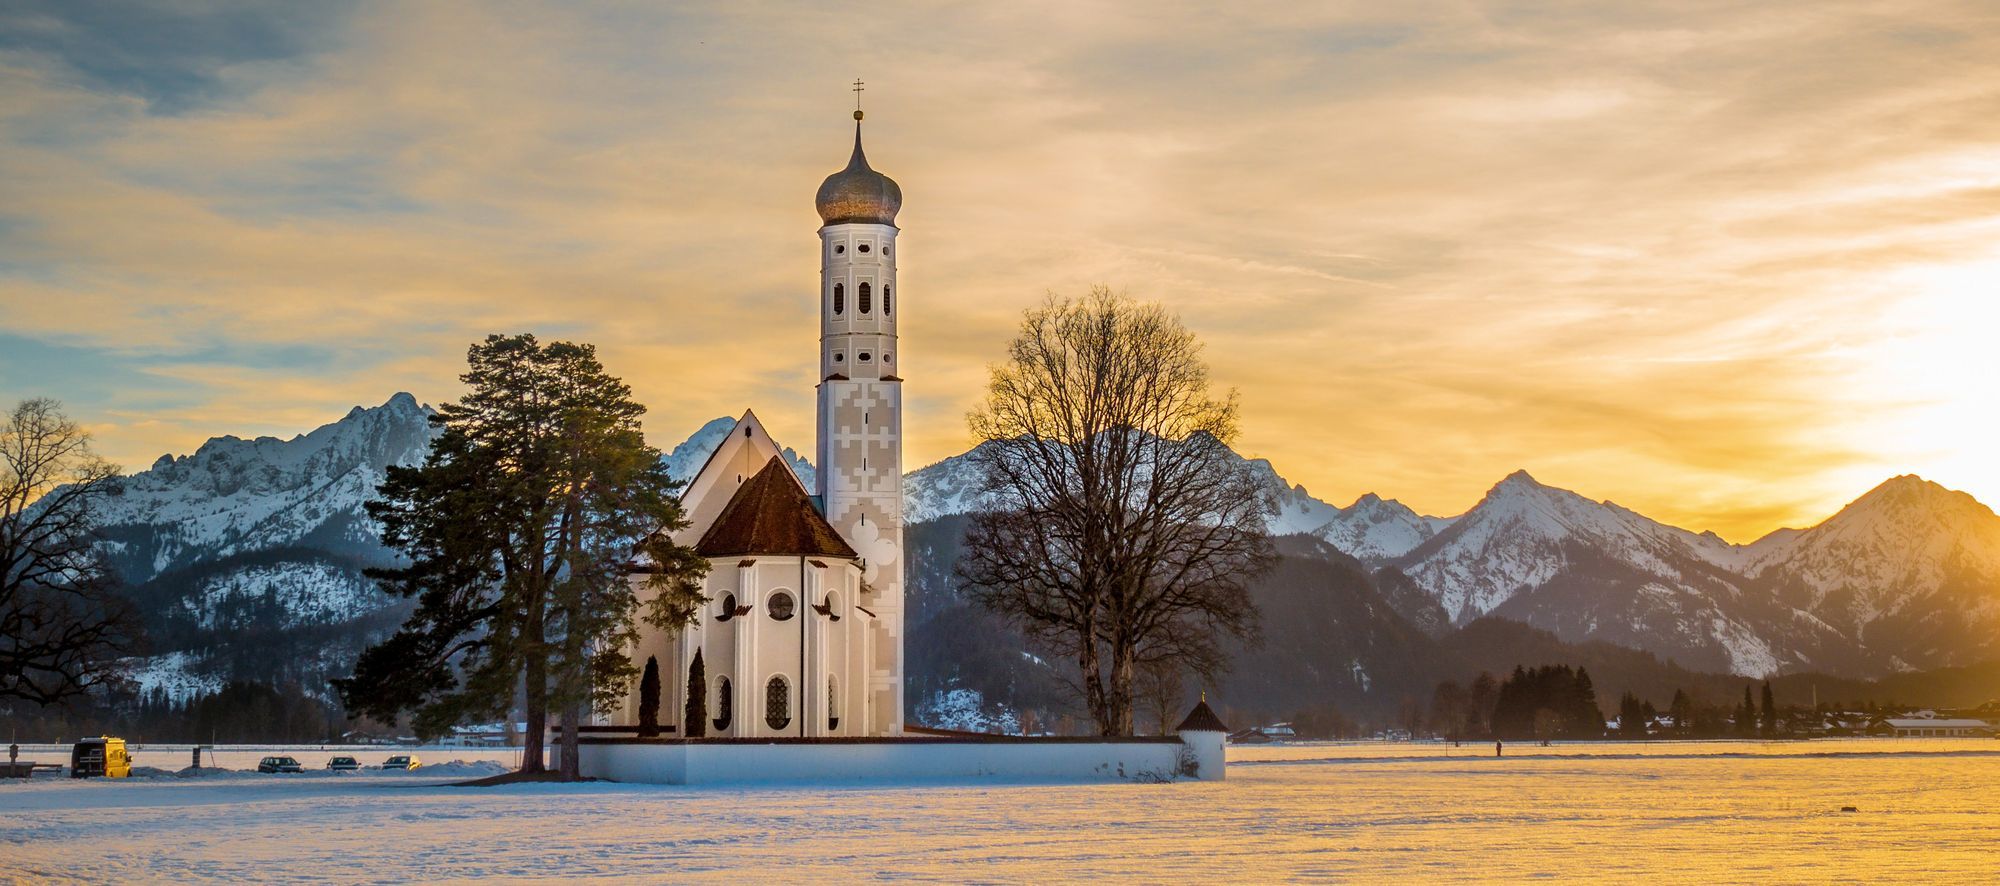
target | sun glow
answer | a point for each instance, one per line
(1938, 357)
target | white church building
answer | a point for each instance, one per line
(801, 640)
(803, 632)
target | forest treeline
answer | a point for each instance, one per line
(1560, 702)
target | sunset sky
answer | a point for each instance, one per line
(1726, 264)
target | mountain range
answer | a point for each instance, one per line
(247, 558)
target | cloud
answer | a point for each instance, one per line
(1647, 251)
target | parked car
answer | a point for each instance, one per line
(279, 764)
(101, 757)
(343, 764)
(402, 761)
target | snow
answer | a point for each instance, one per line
(965, 710)
(174, 674)
(307, 593)
(1378, 529)
(1372, 528)
(235, 496)
(1420, 812)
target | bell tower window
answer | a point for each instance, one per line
(867, 298)
(840, 299)
(888, 301)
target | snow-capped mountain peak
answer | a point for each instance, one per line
(1909, 550)
(234, 495)
(1376, 529)
(1523, 533)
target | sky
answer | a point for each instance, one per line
(1729, 265)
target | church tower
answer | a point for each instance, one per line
(860, 446)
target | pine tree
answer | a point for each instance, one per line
(649, 699)
(694, 721)
(520, 531)
(1770, 711)
(1682, 710)
(1485, 693)
(1746, 716)
(1587, 717)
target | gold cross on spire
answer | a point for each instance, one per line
(857, 99)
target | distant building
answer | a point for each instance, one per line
(1931, 727)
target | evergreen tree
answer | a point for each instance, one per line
(694, 720)
(649, 699)
(1584, 712)
(1682, 710)
(1552, 701)
(1631, 717)
(521, 531)
(1770, 711)
(1746, 716)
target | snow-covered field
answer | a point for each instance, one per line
(1678, 812)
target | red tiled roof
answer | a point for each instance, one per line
(770, 514)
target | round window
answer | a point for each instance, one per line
(839, 250)
(781, 606)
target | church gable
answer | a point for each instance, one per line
(771, 514)
(735, 460)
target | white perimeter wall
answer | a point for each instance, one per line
(704, 763)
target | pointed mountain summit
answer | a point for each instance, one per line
(1522, 534)
(235, 495)
(1910, 567)
(1376, 529)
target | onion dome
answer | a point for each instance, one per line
(857, 194)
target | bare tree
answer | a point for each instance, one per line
(1161, 688)
(1125, 530)
(61, 626)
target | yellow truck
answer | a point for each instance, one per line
(102, 756)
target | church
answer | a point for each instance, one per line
(800, 642)
(802, 634)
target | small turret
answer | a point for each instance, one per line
(1204, 735)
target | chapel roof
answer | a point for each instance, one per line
(771, 514)
(1202, 717)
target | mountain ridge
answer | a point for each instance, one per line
(272, 532)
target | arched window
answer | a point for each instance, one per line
(888, 301)
(840, 299)
(725, 707)
(781, 606)
(777, 703)
(832, 702)
(867, 298)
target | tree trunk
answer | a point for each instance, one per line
(1121, 687)
(535, 699)
(572, 751)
